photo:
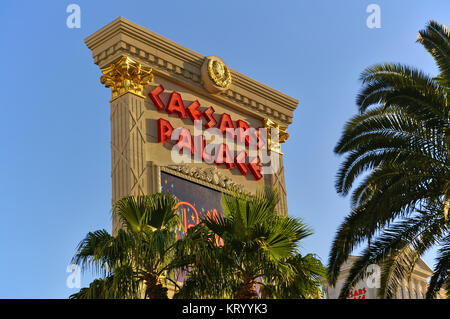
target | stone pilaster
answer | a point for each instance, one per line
(128, 165)
(278, 183)
(127, 78)
(277, 180)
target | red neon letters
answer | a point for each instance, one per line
(193, 111)
(165, 130)
(175, 104)
(154, 96)
(208, 114)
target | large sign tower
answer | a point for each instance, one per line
(159, 91)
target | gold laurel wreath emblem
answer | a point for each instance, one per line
(219, 73)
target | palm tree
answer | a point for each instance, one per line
(136, 262)
(304, 282)
(400, 141)
(259, 249)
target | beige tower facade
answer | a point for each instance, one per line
(157, 84)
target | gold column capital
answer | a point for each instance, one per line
(126, 76)
(282, 135)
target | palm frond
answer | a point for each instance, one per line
(441, 274)
(436, 40)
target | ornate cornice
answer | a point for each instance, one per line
(168, 59)
(126, 76)
(210, 176)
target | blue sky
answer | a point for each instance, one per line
(55, 183)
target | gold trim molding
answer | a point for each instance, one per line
(282, 135)
(126, 76)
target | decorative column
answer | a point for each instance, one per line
(424, 289)
(277, 179)
(127, 79)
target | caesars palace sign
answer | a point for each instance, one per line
(186, 124)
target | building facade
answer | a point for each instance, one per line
(415, 288)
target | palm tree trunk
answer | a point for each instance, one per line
(155, 290)
(247, 289)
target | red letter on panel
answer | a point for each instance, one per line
(255, 168)
(224, 156)
(226, 122)
(185, 140)
(154, 96)
(208, 114)
(240, 162)
(176, 105)
(243, 131)
(193, 111)
(165, 130)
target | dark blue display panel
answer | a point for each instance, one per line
(196, 201)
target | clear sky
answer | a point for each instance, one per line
(55, 161)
